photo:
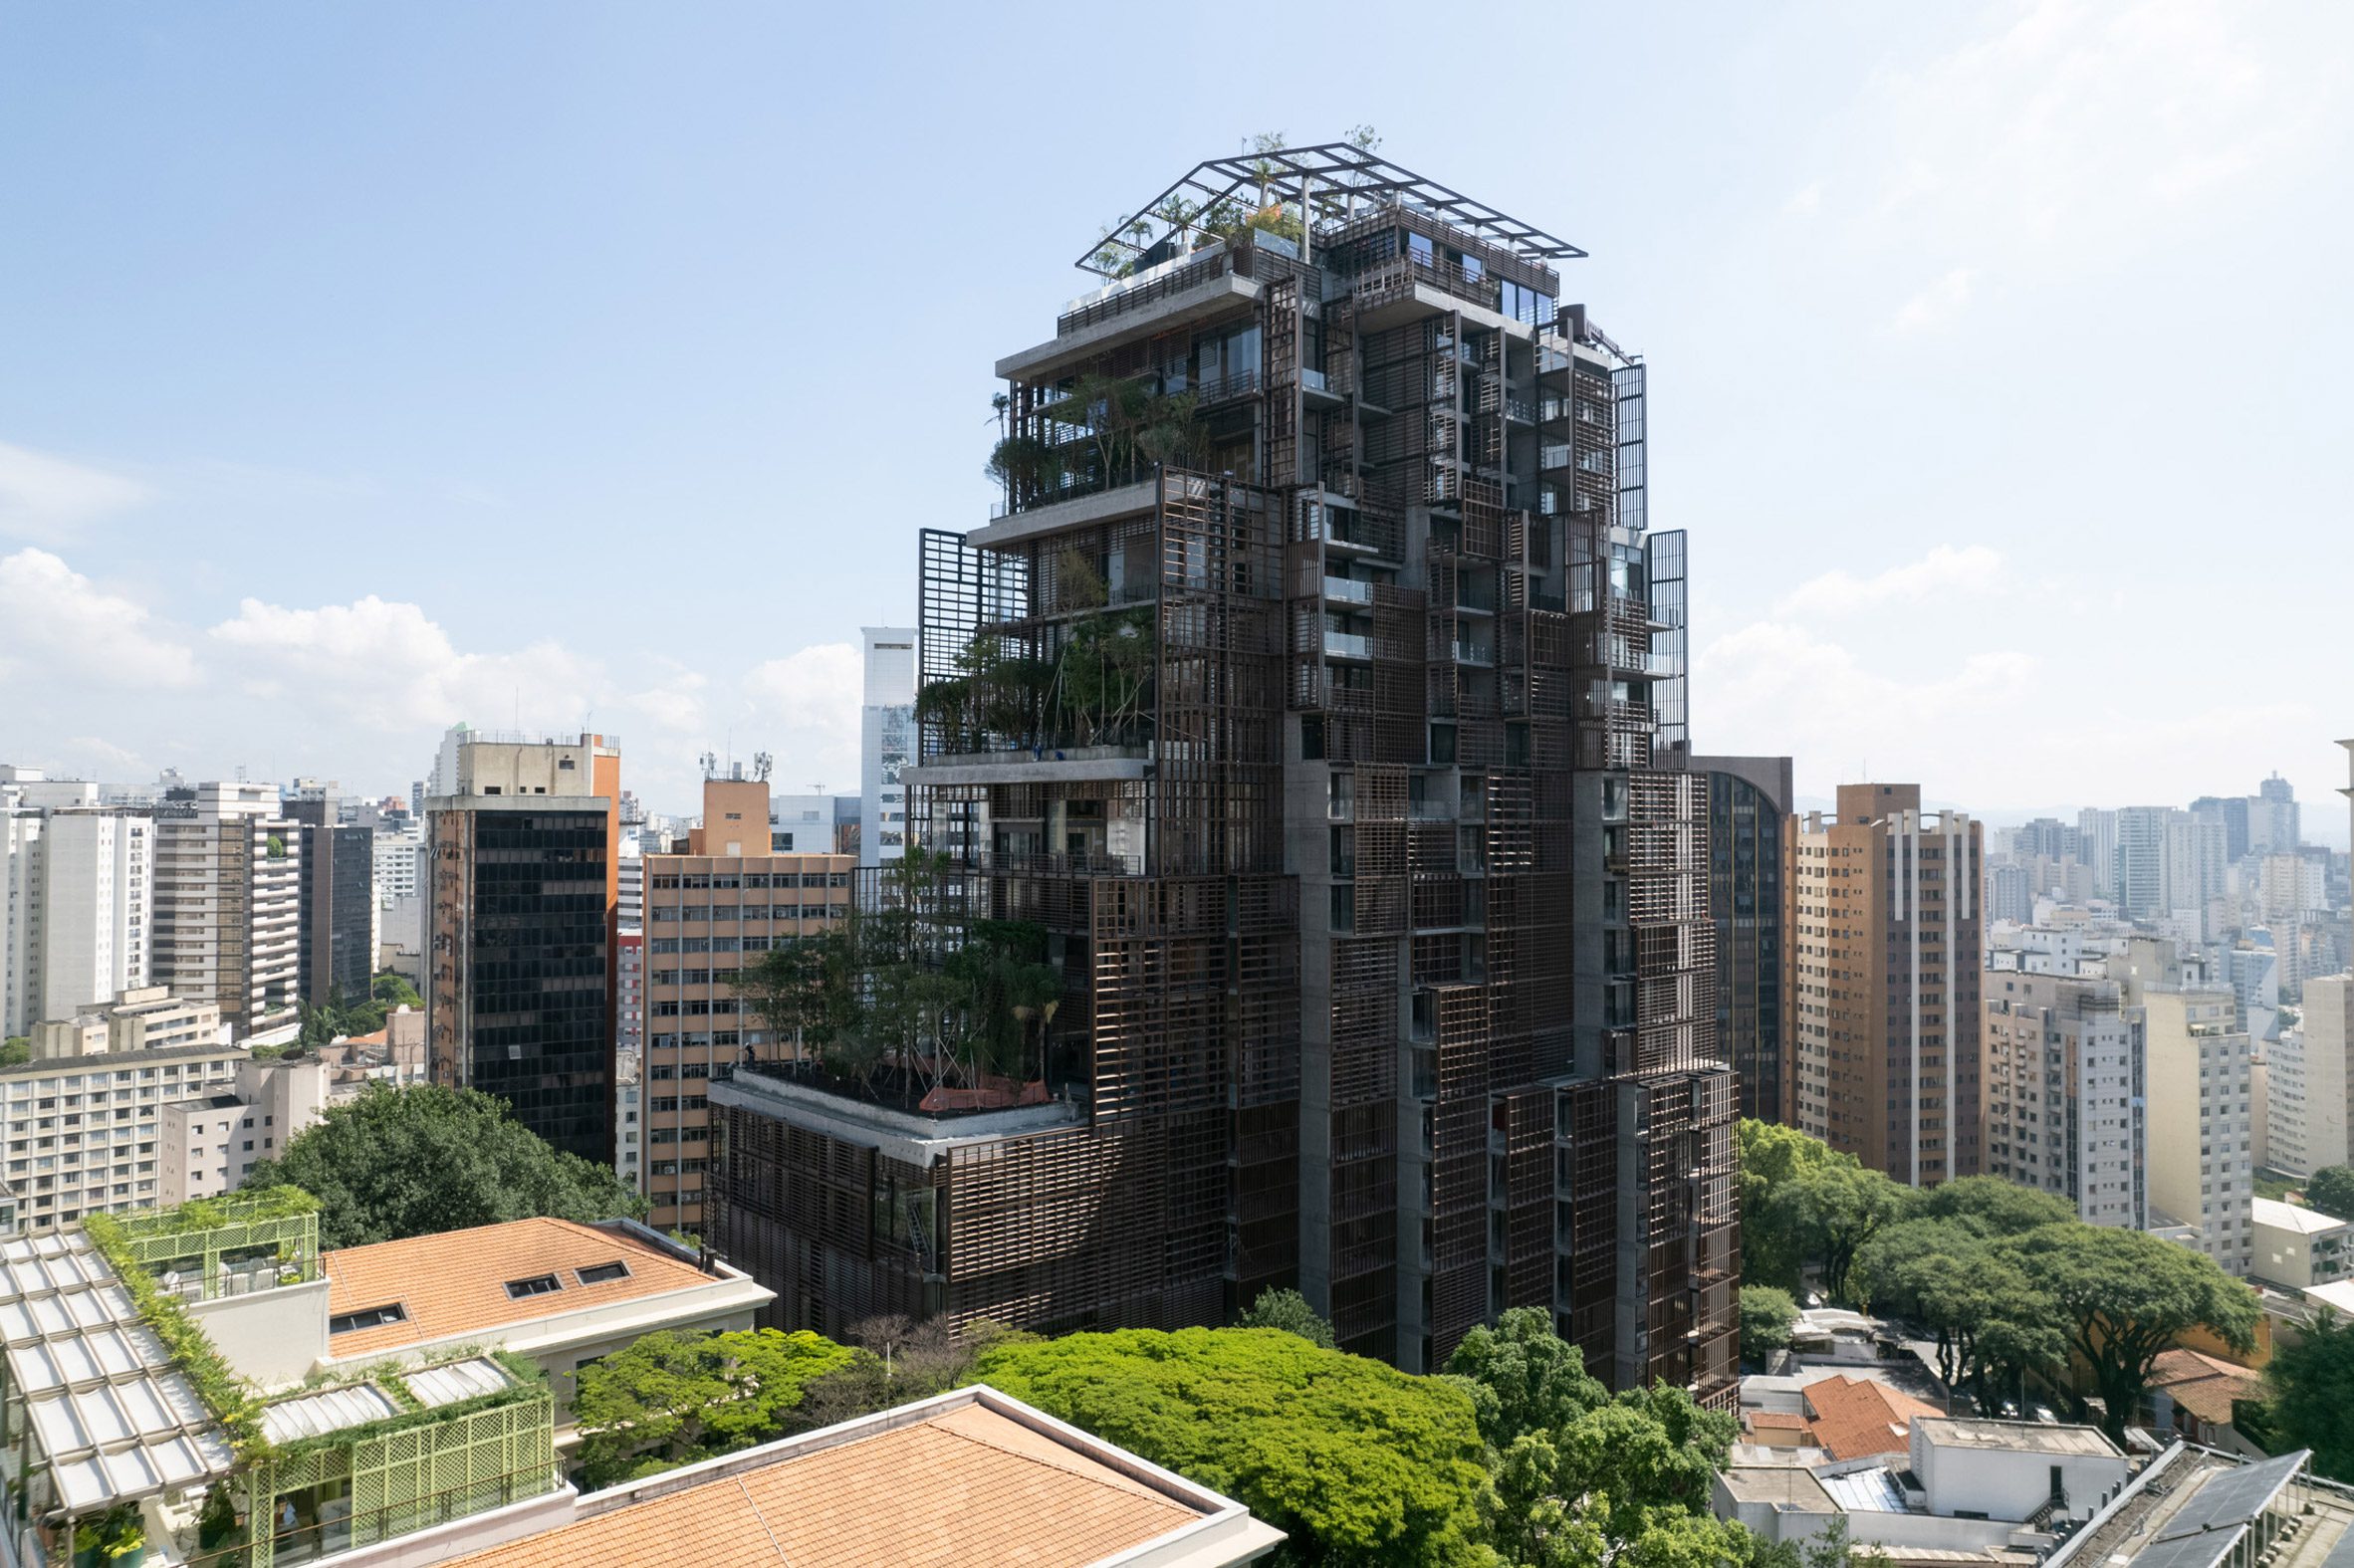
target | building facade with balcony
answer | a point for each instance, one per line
(1318, 693)
(228, 926)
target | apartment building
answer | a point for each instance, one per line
(210, 1143)
(1317, 695)
(2063, 1092)
(228, 906)
(709, 913)
(82, 1134)
(338, 900)
(1749, 798)
(1883, 953)
(522, 923)
(2201, 1155)
(2309, 1082)
(886, 741)
(77, 902)
(146, 1018)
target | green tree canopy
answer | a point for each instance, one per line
(1990, 1206)
(1766, 1317)
(415, 1162)
(1523, 1377)
(1772, 1250)
(2312, 1384)
(673, 1399)
(2125, 1295)
(16, 1051)
(1833, 1211)
(2332, 1191)
(1359, 1462)
(1287, 1310)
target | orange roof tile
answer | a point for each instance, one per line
(455, 1284)
(2203, 1384)
(1855, 1417)
(1778, 1418)
(968, 1485)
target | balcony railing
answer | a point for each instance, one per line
(1211, 262)
(1347, 645)
(1348, 591)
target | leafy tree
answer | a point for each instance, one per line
(1829, 1549)
(1992, 1324)
(2332, 1191)
(1580, 1476)
(895, 1360)
(1772, 1251)
(397, 1163)
(1992, 1206)
(1523, 1377)
(1766, 1317)
(16, 1051)
(1359, 1462)
(1287, 1310)
(2312, 1384)
(395, 991)
(2123, 1296)
(673, 1399)
(1833, 1211)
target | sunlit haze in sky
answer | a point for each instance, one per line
(372, 368)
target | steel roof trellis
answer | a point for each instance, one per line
(1334, 172)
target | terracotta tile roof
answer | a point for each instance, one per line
(1761, 1420)
(455, 1284)
(1855, 1417)
(967, 1486)
(2203, 1384)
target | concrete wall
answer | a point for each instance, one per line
(274, 1338)
(2011, 1483)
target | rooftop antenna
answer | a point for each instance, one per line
(762, 762)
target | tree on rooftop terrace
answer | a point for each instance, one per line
(398, 1162)
(892, 997)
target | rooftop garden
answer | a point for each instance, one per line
(909, 1001)
(1087, 679)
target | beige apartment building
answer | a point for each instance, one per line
(708, 913)
(148, 1019)
(228, 907)
(2201, 1134)
(80, 1135)
(1881, 982)
(209, 1145)
(2062, 1106)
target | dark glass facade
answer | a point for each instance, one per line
(1749, 798)
(518, 1005)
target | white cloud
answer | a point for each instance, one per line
(2072, 132)
(44, 499)
(1776, 688)
(1805, 201)
(63, 628)
(1944, 570)
(1936, 305)
(812, 699)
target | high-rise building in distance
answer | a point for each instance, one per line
(1318, 692)
(228, 906)
(521, 929)
(1749, 798)
(1883, 944)
(339, 901)
(886, 741)
(2062, 1072)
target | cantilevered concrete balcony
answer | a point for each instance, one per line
(1040, 765)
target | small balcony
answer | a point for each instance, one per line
(1347, 645)
(1347, 590)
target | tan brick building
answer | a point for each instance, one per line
(1882, 957)
(708, 913)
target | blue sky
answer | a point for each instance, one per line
(365, 367)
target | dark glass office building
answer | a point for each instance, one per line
(517, 999)
(1748, 799)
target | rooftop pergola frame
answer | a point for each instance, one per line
(1335, 177)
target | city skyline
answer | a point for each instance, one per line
(275, 464)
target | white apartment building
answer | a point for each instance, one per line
(80, 1135)
(76, 908)
(208, 1144)
(2063, 1092)
(2297, 1248)
(228, 907)
(2201, 1135)
(2310, 1083)
(886, 741)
